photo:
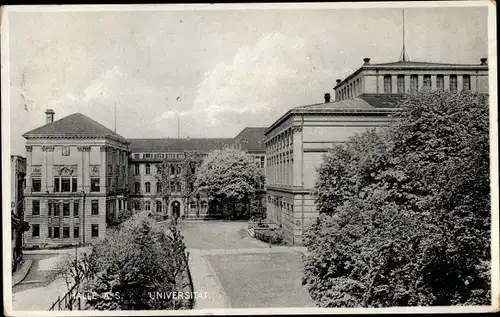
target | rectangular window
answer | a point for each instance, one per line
(36, 208)
(414, 83)
(387, 84)
(440, 82)
(57, 185)
(65, 209)
(57, 209)
(49, 232)
(74, 184)
(36, 184)
(56, 232)
(427, 82)
(95, 207)
(65, 232)
(453, 83)
(137, 156)
(401, 84)
(95, 231)
(136, 169)
(94, 184)
(36, 231)
(76, 232)
(50, 208)
(65, 185)
(76, 209)
(466, 82)
(137, 205)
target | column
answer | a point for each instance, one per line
(103, 170)
(380, 84)
(420, 82)
(297, 156)
(460, 83)
(407, 83)
(394, 83)
(29, 152)
(433, 82)
(446, 82)
(473, 83)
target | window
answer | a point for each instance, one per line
(76, 232)
(148, 187)
(137, 205)
(65, 184)
(148, 206)
(401, 83)
(148, 169)
(137, 187)
(36, 208)
(453, 83)
(56, 232)
(413, 83)
(50, 208)
(466, 82)
(36, 184)
(387, 83)
(49, 232)
(192, 205)
(136, 169)
(95, 231)
(65, 232)
(36, 231)
(262, 161)
(204, 204)
(76, 209)
(57, 185)
(57, 209)
(440, 82)
(158, 206)
(427, 82)
(172, 169)
(158, 188)
(94, 184)
(137, 156)
(65, 209)
(172, 187)
(95, 207)
(178, 188)
(74, 185)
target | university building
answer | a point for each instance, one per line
(296, 142)
(80, 175)
(18, 183)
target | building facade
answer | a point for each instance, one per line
(18, 184)
(76, 178)
(296, 142)
(80, 175)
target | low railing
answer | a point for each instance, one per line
(71, 300)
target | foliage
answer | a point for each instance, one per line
(229, 175)
(273, 235)
(405, 213)
(133, 263)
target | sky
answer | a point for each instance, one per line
(215, 72)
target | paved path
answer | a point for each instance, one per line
(238, 271)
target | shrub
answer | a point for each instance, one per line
(273, 235)
(405, 214)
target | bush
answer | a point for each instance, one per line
(273, 235)
(405, 213)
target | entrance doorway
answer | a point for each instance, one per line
(176, 209)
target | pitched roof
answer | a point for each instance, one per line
(250, 139)
(75, 125)
(165, 145)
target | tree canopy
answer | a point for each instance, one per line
(405, 212)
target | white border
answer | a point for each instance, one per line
(5, 112)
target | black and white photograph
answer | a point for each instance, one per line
(214, 159)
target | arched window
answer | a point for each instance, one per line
(148, 169)
(148, 187)
(158, 206)
(178, 187)
(148, 206)
(136, 169)
(158, 187)
(137, 187)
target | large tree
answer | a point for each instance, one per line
(229, 175)
(405, 213)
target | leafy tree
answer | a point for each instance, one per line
(229, 175)
(134, 262)
(405, 213)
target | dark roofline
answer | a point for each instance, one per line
(416, 66)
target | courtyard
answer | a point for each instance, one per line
(238, 271)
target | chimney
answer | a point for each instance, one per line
(49, 114)
(327, 98)
(484, 61)
(366, 60)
